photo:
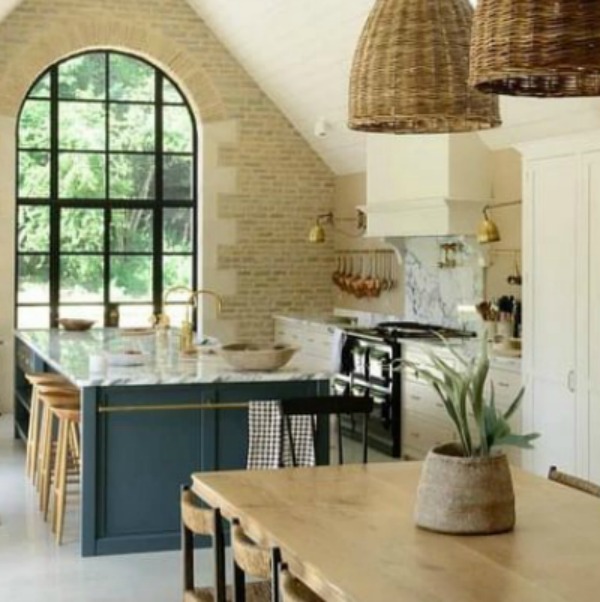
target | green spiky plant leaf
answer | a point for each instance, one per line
(463, 391)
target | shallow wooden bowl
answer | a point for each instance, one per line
(244, 356)
(76, 324)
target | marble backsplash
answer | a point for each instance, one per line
(434, 294)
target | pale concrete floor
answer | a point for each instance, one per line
(33, 568)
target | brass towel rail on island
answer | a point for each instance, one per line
(173, 407)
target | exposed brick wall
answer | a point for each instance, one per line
(280, 183)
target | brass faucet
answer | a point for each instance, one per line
(186, 342)
(162, 319)
(187, 336)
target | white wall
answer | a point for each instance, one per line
(7, 261)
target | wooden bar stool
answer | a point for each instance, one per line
(36, 379)
(50, 397)
(68, 418)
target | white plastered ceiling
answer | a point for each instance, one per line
(299, 52)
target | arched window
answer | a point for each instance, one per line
(106, 193)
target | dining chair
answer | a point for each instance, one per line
(256, 561)
(571, 481)
(319, 406)
(206, 522)
(293, 589)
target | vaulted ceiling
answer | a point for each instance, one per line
(300, 53)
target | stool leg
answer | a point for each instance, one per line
(32, 434)
(74, 443)
(60, 479)
(47, 467)
(41, 447)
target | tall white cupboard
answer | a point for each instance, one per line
(561, 309)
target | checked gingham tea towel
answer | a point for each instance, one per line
(264, 438)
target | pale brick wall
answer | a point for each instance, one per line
(278, 184)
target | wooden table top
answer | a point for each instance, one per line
(349, 532)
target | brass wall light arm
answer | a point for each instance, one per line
(317, 232)
(488, 231)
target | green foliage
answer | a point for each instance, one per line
(463, 391)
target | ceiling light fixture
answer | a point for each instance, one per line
(488, 231)
(317, 232)
(410, 71)
(533, 48)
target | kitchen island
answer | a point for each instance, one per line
(146, 428)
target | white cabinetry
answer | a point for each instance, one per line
(425, 422)
(312, 337)
(561, 328)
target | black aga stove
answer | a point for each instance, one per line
(368, 356)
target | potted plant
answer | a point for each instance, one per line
(466, 486)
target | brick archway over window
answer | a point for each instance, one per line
(76, 35)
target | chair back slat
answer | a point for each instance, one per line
(293, 590)
(198, 520)
(575, 482)
(326, 405)
(253, 559)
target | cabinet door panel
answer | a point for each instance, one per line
(554, 419)
(593, 316)
(594, 446)
(551, 309)
(553, 273)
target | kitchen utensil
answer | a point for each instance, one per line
(357, 280)
(385, 283)
(515, 278)
(391, 281)
(335, 277)
(372, 283)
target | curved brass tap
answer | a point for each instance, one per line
(162, 319)
(204, 291)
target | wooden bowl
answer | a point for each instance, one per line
(76, 324)
(244, 356)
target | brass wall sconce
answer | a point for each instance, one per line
(317, 232)
(488, 231)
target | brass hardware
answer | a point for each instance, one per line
(488, 231)
(186, 341)
(317, 232)
(173, 407)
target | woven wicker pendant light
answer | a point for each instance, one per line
(410, 71)
(533, 48)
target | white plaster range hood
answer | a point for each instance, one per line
(434, 185)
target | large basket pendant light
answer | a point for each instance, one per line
(545, 48)
(410, 71)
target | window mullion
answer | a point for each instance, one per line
(53, 201)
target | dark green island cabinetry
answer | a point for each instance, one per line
(146, 428)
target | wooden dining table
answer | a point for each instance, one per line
(348, 532)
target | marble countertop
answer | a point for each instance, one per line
(161, 363)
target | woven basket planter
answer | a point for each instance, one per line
(533, 48)
(465, 496)
(410, 71)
